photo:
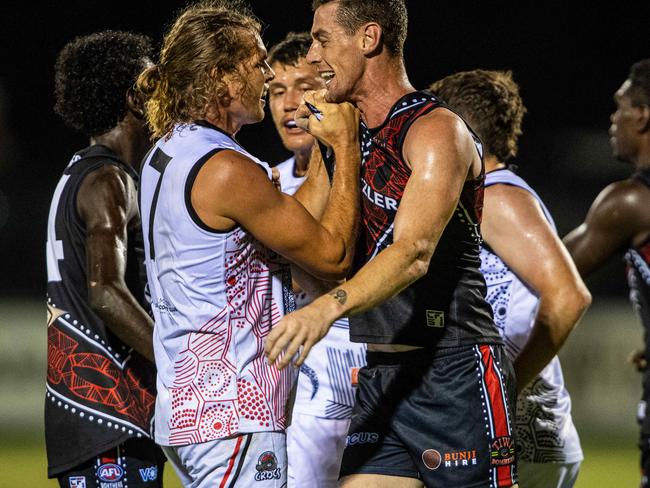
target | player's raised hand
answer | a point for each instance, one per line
(333, 124)
(298, 331)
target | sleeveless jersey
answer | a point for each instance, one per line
(325, 386)
(545, 429)
(215, 297)
(446, 307)
(99, 392)
(638, 277)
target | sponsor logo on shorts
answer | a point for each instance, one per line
(431, 459)
(77, 482)
(459, 459)
(267, 467)
(149, 474)
(435, 318)
(362, 438)
(502, 451)
(110, 472)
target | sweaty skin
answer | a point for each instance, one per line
(514, 221)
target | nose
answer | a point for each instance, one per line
(313, 55)
(269, 74)
(292, 99)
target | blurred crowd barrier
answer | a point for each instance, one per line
(604, 387)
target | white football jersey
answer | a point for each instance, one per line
(545, 430)
(325, 382)
(215, 297)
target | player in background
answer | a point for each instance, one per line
(434, 405)
(217, 233)
(100, 375)
(325, 395)
(535, 291)
(618, 222)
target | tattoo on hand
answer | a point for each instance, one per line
(339, 295)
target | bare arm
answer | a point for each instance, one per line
(617, 217)
(279, 221)
(439, 167)
(107, 204)
(515, 227)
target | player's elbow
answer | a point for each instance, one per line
(101, 295)
(418, 253)
(568, 304)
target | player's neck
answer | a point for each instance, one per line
(384, 82)
(492, 163)
(128, 140)
(301, 159)
(643, 159)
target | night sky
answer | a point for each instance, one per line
(567, 62)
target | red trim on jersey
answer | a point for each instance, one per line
(498, 408)
(231, 463)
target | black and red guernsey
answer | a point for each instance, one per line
(99, 391)
(638, 277)
(447, 306)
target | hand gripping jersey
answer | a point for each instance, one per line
(325, 381)
(545, 430)
(638, 277)
(446, 307)
(99, 391)
(215, 297)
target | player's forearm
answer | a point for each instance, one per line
(387, 274)
(341, 215)
(124, 317)
(314, 192)
(555, 320)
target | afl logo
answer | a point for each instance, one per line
(431, 459)
(110, 472)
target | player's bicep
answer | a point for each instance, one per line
(106, 203)
(439, 156)
(515, 227)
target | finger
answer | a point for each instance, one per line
(291, 351)
(306, 347)
(274, 345)
(301, 117)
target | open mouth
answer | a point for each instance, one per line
(327, 76)
(291, 127)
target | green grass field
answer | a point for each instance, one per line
(607, 464)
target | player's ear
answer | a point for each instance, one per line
(371, 40)
(135, 103)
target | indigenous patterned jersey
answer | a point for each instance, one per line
(446, 307)
(638, 277)
(325, 382)
(215, 297)
(545, 430)
(99, 391)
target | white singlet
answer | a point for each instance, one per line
(215, 297)
(545, 430)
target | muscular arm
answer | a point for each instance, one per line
(618, 217)
(439, 167)
(515, 227)
(279, 221)
(107, 204)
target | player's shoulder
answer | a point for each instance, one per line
(439, 124)
(623, 201)
(230, 168)
(108, 174)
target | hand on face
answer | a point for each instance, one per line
(338, 124)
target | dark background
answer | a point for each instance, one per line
(568, 63)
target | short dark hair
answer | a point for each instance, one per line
(490, 102)
(290, 50)
(640, 79)
(391, 16)
(92, 76)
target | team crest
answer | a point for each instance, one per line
(267, 467)
(502, 451)
(110, 472)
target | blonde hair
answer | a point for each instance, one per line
(206, 42)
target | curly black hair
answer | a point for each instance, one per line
(92, 76)
(640, 80)
(291, 49)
